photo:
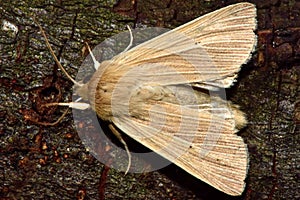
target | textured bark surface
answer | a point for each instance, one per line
(50, 162)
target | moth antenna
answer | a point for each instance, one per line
(51, 123)
(131, 39)
(53, 54)
(96, 63)
(118, 135)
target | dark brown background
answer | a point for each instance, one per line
(50, 162)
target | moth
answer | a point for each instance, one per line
(160, 93)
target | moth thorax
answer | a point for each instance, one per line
(101, 103)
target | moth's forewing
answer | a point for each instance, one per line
(225, 36)
(196, 140)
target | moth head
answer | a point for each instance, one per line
(81, 90)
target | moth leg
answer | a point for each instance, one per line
(131, 39)
(79, 99)
(76, 105)
(118, 135)
(96, 63)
